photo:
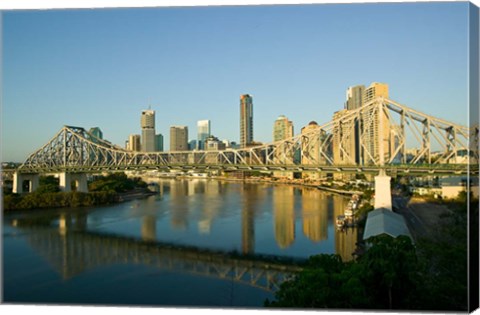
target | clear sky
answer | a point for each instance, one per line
(102, 67)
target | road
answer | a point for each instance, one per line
(421, 216)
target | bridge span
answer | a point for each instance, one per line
(354, 142)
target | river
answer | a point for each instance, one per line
(199, 242)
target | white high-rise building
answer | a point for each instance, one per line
(203, 129)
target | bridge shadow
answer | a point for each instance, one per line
(76, 249)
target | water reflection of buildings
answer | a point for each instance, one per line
(251, 195)
(345, 243)
(178, 204)
(149, 228)
(344, 240)
(71, 253)
(284, 215)
(212, 202)
(315, 214)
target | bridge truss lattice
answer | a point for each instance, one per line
(383, 133)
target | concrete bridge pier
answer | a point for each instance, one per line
(19, 179)
(383, 193)
(80, 180)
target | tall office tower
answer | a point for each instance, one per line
(159, 142)
(282, 128)
(375, 127)
(203, 130)
(355, 96)
(375, 89)
(178, 138)
(246, 120)
(134, 143)
(147, 122)
(95, 131)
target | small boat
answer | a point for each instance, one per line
(340, 221)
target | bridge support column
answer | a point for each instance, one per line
(66, 180)
(383, 194)
(19, 179)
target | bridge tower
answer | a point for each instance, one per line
(19, 179)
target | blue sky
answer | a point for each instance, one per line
(102, 67)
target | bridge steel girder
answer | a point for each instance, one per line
(73, 149)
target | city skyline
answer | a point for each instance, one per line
(65, 87)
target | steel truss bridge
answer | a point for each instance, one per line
(368, 139)
(73, 252)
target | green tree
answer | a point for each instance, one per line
(385, 277)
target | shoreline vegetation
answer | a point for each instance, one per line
(103, 190)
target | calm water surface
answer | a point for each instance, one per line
(197, 243)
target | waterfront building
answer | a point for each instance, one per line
(375, 128)
(313, 137)
(375, 90)
(178, 138)
(192, 145)
(212, 143)
(282, 129)
(355, 96)
(159, 142)
(246, 120)
(97, 132)
(147, 123)
(362, 140)
(134, 143)
(203, 132)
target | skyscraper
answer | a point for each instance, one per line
(355, 96)
(147, 122)
(376, 127)
(178, 138)
(159, 142)
(203, 130)
(375, 89)
(134, 143)
(246, 120)
(282, 128)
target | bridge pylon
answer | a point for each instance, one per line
(383, 194)
(80, 180)
(20, 178)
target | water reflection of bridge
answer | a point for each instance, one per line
(73, 252)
